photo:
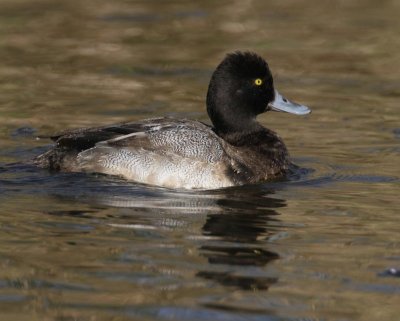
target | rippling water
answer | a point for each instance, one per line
(323, 245)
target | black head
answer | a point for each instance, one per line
(242, 87)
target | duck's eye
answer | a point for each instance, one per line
(258, 82)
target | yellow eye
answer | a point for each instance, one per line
(258, 82)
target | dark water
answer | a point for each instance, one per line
(322, 246)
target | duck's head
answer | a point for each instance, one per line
(242, 87)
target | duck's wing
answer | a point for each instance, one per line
(166, 152)
(71, 142)
(164, 136)
(182, 138)
(85, 138)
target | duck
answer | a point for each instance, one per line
(189, 154)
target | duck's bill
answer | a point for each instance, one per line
(280, 103)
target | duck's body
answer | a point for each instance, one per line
(175, 153)
(181, 153)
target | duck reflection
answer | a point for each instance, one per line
(242, 236)
(235, 224)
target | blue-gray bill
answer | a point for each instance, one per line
(280, 103)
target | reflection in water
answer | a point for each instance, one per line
(243, 282)
(237, 224)
(237, 221)
(240, 235)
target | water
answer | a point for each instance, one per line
(322, 246)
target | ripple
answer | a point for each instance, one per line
(396, 132)
(23, 132)
(391, 272)
(43, 284)
(157, 71)
(14, 298)
(319, 174)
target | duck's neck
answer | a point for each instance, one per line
(227, 125)
(236, 130)
(228, 120)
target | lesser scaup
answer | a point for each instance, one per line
(182, 153)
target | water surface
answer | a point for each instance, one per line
(323, 245)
